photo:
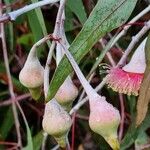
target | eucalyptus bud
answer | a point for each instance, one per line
(104, 119)
(67, 92)
(32, 75)
(56, 122)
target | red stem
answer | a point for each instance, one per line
(135, 23)
(73, 130)
(130, 24)
(121, 128)
(8, 143)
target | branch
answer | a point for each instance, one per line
(135, 39)
(11, 16)
(10, 84)
(83, 101)
(122, 107)
(123, 32)
(55, 34)
(18, 98)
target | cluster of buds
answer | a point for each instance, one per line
(56, 120)
(104, 119)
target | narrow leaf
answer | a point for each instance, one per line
(41, 20)
(144, 94)
(37, 140)
(7, 123)
(77, 8)
(9, 30)
(29, 145)
(106, 16)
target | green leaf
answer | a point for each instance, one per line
(7, 123)
(35, 26)
(106, 16)
(9, 31)
(77, 8)
(25, 39)
(133, 132)
(41, 21)
(69, 25)
(37, 140)
(29, 145)
(142, 139)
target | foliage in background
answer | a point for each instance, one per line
(29, 28)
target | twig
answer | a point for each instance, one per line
(121, 128)
(116, 44)
(45, 136)
(11, 16)
(83, 101)
(135, 39)
(83, 92)
(23, 115)
(123, 32)
(55, 34)
(82, 117)
(73, 130)
(10, 84)
(37, 44)
(17, 98)
(8, 143)
(47, 68)
(68, 145)
(145, 147)
(12, 148)
(108, 54)
(55, 148)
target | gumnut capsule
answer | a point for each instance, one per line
(68, 92)
(127, 80)
(32, 75)
(104, 118)
(56, 122)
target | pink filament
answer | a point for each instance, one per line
(124, 82)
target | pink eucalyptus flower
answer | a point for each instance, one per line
(128, 79)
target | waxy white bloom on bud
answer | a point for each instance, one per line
(67, 93)
(32, 75)
(104, 119)
(56, 122)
